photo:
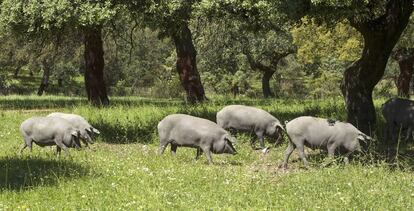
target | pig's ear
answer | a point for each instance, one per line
(278, 126)
(95, 130)
(362, 137)
(369, 138)
(75, 133)
(230, 139)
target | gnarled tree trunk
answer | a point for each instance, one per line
(187, 65)
(405, 59)
(380, 36)
(267, 92)
(17, 71)
(94, 62)
(267, 69)
(45, 78)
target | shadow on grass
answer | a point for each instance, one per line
(40, 103)
(20, 174)
(49, 102)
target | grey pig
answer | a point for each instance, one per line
(250, 119)
(320, 133)
(49, 131)
(87, 132)
(398, 114)
(188, 131)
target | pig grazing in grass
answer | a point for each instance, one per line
(87, 132)
(49, 131)
(320, 133)
(188, 131)
(250, 119)
(398, 114)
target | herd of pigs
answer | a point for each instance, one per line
(68, 130)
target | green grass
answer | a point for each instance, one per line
(123, 171)
(25, 84)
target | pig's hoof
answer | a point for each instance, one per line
(346, 161)
(283, 166)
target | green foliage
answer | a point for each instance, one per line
(327, 84)
(318, 42)
(406, 39)
(166, 16)
(334, 11)
(39, 15)
(137, 62)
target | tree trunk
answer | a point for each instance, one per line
(380, 36)
(94, 62)
(267, 92)
(268, 70)
(45, 78)
(60, 80)
(404, 79)
(187, 65)
(405, 59)
(17, 70)
(235, 91)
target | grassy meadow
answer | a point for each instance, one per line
(123, 171)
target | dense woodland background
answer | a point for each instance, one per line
(201, 48)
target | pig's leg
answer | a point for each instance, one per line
(261, 139)
(58, 150)
(76, 142)
(395, 130)
(253, 140)
(60, 144)
(173, 149)
(388, 133)
(86, 143)
(22, 148)
(199, 152)
(27, 143)
(346, 157)
(331, 149)
(163, 144)
(409, 134)
(288, 152)
(302, 154)
(279, 139)
(207, 151)
(161, 149)
(331, 152)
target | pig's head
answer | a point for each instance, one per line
(275, 130)
(355, 145)
(84, 135)
(225, 145)
(365, 139)
(91, 134)
(75, 135)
